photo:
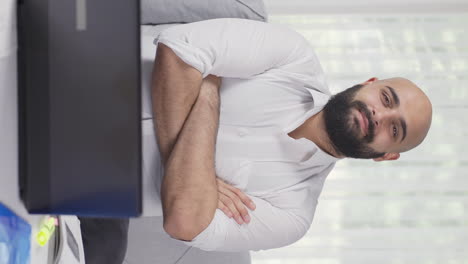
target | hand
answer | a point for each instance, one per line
(212, 80)
(233, 202)
(209, 90)
(210, 84)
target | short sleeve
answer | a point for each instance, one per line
(270, 227)
(232, 47)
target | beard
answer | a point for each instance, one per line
(344, 130)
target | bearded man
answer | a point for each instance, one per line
(246, 131)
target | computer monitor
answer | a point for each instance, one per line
(80, 107)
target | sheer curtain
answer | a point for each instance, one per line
(414, 210)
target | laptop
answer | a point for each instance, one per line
(79, 107)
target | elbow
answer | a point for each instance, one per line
(184, 220)
(179, 231)
(182, 229)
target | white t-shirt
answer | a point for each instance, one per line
(272, 82)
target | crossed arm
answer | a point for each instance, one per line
(186, 142)
(186, 110)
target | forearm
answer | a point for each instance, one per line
(175, 87)
(189, 189)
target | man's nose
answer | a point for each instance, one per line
(381, 116)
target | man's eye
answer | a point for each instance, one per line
(387, 100)
(394, 131)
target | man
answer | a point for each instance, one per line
(269, 134)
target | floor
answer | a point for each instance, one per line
(414, 210)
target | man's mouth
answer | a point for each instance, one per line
(363, 123)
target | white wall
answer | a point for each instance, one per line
(364, 6)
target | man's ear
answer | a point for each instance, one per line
(371, 80)
(388, 156)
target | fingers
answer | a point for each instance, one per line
(233, 202)
(236, 203)
(224, 208)
(236, 214)
(243, 197)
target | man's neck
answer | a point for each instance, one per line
(314, 130)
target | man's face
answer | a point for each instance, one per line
(343, 121)
(378, 117)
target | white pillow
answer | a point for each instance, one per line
(187, 11)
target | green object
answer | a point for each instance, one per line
(46, 231)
